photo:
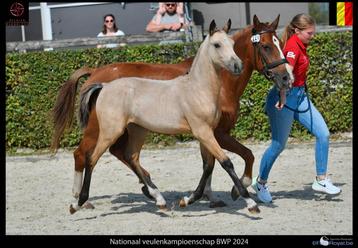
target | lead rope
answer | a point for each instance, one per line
(308, 99)
(303, 111)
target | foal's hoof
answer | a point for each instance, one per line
(72, 209)
(254, 210)
(163, 208)
(234, 193)
(146, 192)
(182, 203)
(217, 204)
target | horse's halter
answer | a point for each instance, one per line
(266, 71)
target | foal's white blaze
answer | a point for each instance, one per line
(160, 201)
(77, 184)
(277, 44)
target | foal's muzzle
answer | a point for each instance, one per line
(236, 66)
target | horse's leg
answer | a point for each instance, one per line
(198, 193)
(136, 140)
(79, 157)
(87, 143)
(118, 148)
(105, 138)
(204, 189)
(231, 144)
(206, 136)
(209, 161)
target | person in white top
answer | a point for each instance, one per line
(109, 29)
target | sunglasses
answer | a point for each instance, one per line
(109, 21)
(170, 4)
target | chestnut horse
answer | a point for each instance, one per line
(264, 56)
(189, 103)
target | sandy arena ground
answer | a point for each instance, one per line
(38, 195)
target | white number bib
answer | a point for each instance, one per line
(255, 38)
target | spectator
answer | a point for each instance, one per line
(169, 17)
(109, 29)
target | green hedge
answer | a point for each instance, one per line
(33, 81)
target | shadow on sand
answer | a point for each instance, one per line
(129, 203)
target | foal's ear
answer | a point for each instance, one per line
(227, 26)
(256, 21)
(274, 24)
(212, 27)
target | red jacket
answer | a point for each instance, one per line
(296, 55)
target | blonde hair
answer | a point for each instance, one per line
(301, 22)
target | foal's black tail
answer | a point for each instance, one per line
(88, 99)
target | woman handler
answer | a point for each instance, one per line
(296, 37)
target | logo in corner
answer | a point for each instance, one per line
(324, 241)
(17, 13)
(17, 9)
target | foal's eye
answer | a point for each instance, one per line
(217, 45)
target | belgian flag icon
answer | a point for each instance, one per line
(344, 13)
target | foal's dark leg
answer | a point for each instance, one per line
(231, 144)
(205, 135)
(229, 168)
(118, 149)
(98, 144)
(136, 138)
(209, 161)
(208, 166)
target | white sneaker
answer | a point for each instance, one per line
(262, 191)
(325, 186)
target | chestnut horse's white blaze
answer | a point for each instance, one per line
(276, 42)
(189, 103)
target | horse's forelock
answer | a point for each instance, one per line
(264, 27)
(216, 30)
